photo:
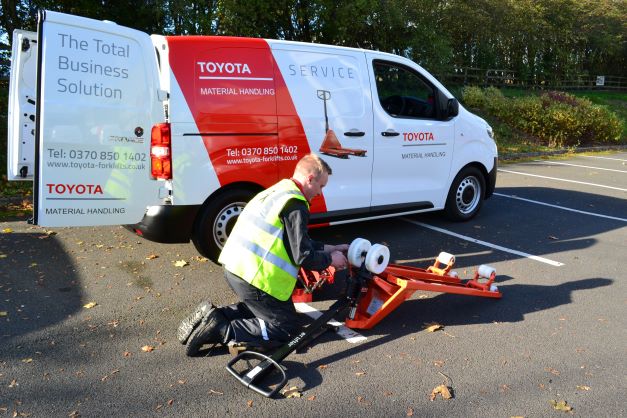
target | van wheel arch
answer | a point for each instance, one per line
(217, 215)
(467, 193)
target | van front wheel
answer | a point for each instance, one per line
(215, 222)
(466, 195)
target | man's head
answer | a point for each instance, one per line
(312, 173)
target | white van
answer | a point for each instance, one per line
(173, 135)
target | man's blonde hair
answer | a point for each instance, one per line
(312, 164)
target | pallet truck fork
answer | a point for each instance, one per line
(373, 290)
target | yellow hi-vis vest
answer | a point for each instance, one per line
(255, 250)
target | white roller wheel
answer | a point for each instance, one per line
(357, 250)
(446, 258)
(377, 258)
(485, 271)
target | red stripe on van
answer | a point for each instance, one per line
(238, 98)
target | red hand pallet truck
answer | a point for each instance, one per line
(374, 289)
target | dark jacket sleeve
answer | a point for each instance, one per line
(303, 251)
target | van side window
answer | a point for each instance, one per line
(402, 92)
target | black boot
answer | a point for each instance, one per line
(188, 324)
(213, 329)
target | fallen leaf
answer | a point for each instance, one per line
(292, 392)
(27, 360)
(552, 371)
(215, 392)
(583, 387)
(7, 230)
(90, 305)
(438, 363)
(127, 354)
(445, 391)
(170, 402)
(181, 263)
(250, 403)
(434, 327)
(147, 348)
(152, 257)
(312, 398)
(410, 412)
(13, 383)
(181, 381)
(560, 405)
(74, 414)
(322, 366)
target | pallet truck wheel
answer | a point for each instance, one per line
(446, 258)
(486, 271)
(357, 251)
(377, 258)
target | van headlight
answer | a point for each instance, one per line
(490, 131)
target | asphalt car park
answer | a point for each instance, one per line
(554, 231)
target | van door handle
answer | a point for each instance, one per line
(354, 132)
(390, 132)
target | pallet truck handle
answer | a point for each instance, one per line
(248, 377)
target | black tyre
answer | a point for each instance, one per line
(215, 221)
(466, 195)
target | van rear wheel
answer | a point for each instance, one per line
(215, 221)
(466, 195)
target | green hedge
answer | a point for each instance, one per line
(558, 119)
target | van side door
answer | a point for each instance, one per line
(413, 145)
(330, 92)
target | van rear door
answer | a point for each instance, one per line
(97, 100)
(23, 83)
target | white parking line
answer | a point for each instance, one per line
(344, 332)
(487, 244)
(561, 207)
(602, 158)
(577, 165)
(569, 181)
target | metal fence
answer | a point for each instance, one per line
(507, 78)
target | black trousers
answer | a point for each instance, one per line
(259, 318)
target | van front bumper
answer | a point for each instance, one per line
(491, 179)
(166, 224)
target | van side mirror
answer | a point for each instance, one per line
(452, 108)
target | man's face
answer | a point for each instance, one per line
(313, 186)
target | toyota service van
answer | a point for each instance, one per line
(172, 135)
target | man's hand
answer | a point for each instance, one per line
(338, 260)
(330, 248)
